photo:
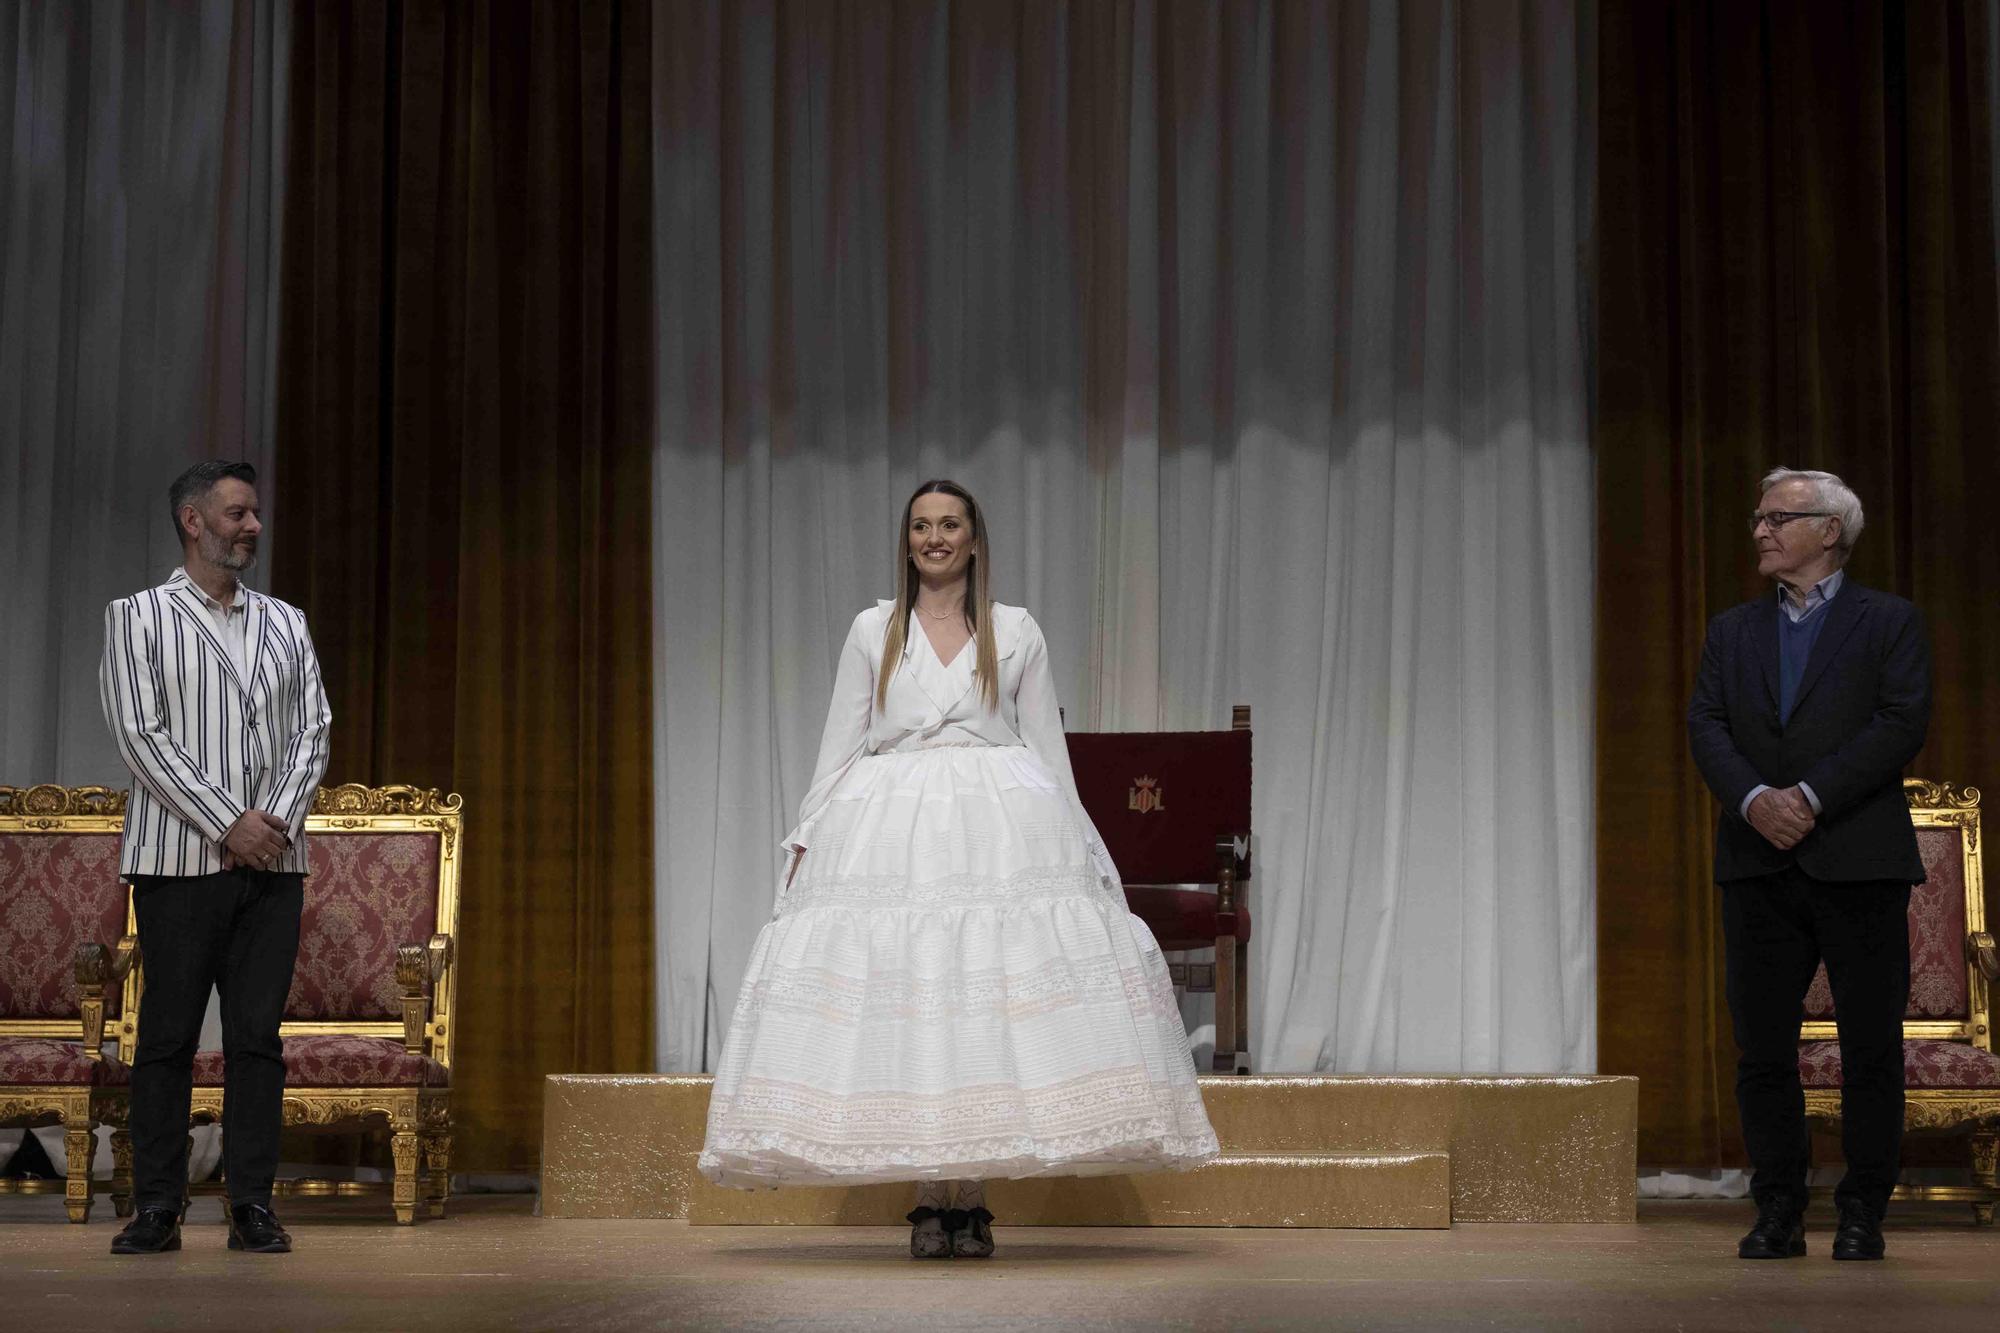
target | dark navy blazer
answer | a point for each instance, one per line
(1862, 711)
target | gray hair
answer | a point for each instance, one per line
(192, 487)
(1829, 493)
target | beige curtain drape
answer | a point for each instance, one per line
(1257, 328)
(140, 193)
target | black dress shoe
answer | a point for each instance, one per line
(154, 1230)
(1780, 1233)
(1860, 1233)
(255, 1228)
(928, 1239)
(971, 1233)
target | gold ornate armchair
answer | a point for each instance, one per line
(66, 952)
(369, 1023)
(1950, 1069)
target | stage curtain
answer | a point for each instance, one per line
(140, 193)
(464, 414)
(140, 189)
(1258, 330)
(1795, 264)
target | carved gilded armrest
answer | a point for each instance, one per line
(93, 973)
(1985, 955)
(96, 969)
(411, 975)
(418, 969)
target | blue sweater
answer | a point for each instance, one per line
(1795, 645)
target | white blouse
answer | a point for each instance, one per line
(932, 704)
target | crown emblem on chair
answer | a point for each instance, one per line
(1145, 796)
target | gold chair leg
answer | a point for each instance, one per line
(121, 1171)
(437, 1172)
(1985, 1171)
(80, 1141)
(404, 1144)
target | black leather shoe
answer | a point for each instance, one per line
(1860, 1233)
(1780, 1233)
(971, 1232)
(153, 1231)
(255, 1228)
(927, 1234)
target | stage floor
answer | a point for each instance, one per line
(493, 1265)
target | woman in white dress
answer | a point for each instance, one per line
(951, 988)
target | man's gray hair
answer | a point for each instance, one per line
(1829, 493)
(192, 487)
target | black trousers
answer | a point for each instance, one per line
(1777, 929)
(237, 931)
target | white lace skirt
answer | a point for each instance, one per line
(950, 990)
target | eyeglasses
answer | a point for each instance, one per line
(1777, 518)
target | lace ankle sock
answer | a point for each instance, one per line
(933, 1194)
(971, 1194)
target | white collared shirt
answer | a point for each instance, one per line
(232, 623)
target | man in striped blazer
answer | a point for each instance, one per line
(213, 694)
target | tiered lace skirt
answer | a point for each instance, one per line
(951, 990)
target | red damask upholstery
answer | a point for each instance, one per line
(46, 1062)
(57, 890)
(340, 1061)
(1929, 1065)
(1937, 936)
(368, 894)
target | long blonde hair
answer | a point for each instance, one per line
(978, 604)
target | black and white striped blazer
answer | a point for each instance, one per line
(203, 743)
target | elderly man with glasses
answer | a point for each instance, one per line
(1809, 702)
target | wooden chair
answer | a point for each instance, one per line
(369, 1023)
(1174, 809)
(1949, 1066)
(66, 951)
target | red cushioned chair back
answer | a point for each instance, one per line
(57, 890)
(1161, 799)
(369, 893)
(1938, 978)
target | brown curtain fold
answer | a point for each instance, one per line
(1795, 264)
(465, 425)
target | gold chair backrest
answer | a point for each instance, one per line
(423, 829)
(1950, 999)
(72, 834)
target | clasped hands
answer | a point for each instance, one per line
(256, 839)
(1784, 816)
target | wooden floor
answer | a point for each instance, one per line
(493, 1265)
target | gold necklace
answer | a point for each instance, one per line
(946, 615)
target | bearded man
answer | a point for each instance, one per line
(213, 695)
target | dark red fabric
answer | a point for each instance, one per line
(44, 1061)
(1935, 1065)
(1162, 798)
(368, 893)
(57, 890)
(1937, 935)
(1182, 918)
(340, 1061)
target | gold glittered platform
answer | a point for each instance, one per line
(1299, 1151)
